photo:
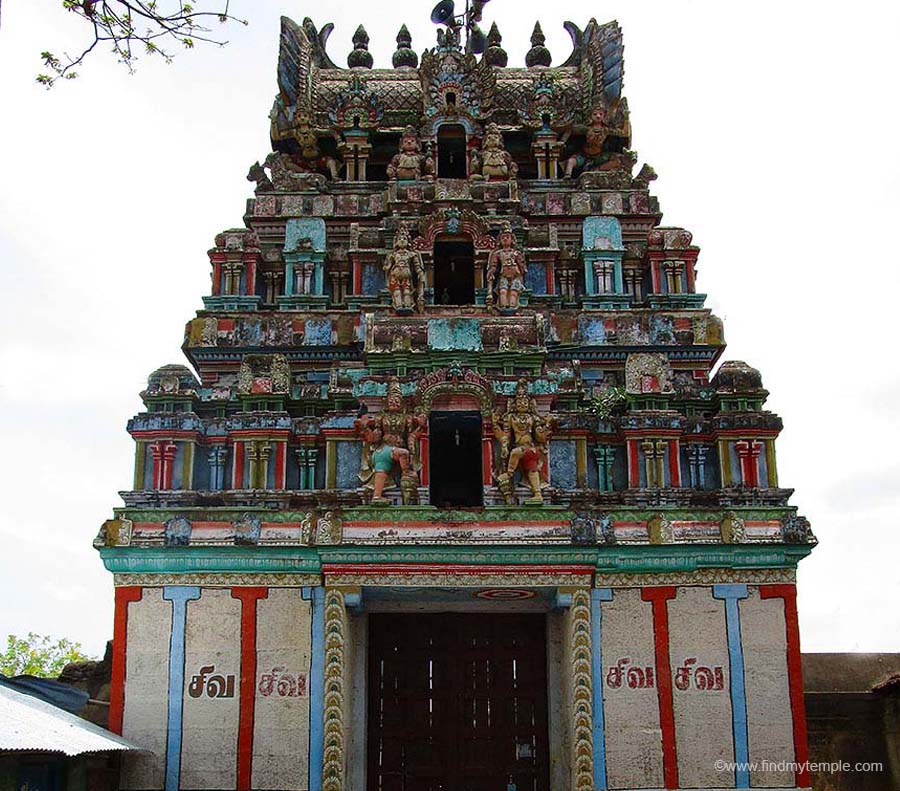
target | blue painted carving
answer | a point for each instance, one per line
(348, 457)
(246, 530)
(536, 277)
(591, 331)
(317, 332)
(304, 241)
(662, 330)
(178, 532)
(298, 230)
(562, 463)
(373, 279)
(601, 240)
(454, 335)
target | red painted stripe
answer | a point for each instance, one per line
(280, 464)
(659, 596)
(654, 272)
(795, 674)
(238, 475)
(159, 434)
(251, 278)
(255, 433)
(634, 474)
(674, 464)
(442, 568)
(124, 596)
(551, 280)
(487, 460)
(357, 277)
(424, 450)
(248, 598)
(217, 278)
(381, 524)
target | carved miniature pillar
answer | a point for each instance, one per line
(263, 451)
(300, 453)
(272, 280)
(604, 456)
(697, 465)
(163, 463)
(217, 261)
(771, 468)
(217, 456)
(487, 455)
(140, 456)
(546, 149)
(355, 149)
(280, 465)
(312, 455)
(249, 267)
(748, 452)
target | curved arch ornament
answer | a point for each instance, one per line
(454, 381)
(454, 222)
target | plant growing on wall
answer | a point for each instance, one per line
(39, 655)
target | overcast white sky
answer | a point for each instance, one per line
(773, 127)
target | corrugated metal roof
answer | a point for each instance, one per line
(27, 723)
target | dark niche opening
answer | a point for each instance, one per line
(454, 273)
(454, 440)
(451, 140)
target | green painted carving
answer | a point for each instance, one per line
(454, 335)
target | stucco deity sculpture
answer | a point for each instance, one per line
(309, 158)
(506, 270)
(390, 438)
(524, 437)
(493, 161)
(593, 155)
(405, 272)
(410, 164)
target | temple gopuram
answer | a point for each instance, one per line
(455, 493)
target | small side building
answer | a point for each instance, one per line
(43, 748)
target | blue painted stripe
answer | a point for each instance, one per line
(316, 688)
(732, 594)
(179, 595)
(598, 595)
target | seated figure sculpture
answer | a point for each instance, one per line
(390, 438)
(493, 162)
(405, 272)
(524, 437)
(410, 164)
(506, 270)
(594, 155)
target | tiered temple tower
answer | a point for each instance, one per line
(448, 497)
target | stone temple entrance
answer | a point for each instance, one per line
(457, 701)
(455, 459)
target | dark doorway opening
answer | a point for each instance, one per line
(454, 440)
(454, 273)
(457, 701)
(451, 164)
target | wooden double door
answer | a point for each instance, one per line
(457, 702)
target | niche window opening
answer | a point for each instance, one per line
(454, 272)
(451, 140)
(455, 459)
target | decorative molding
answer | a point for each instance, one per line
(214, 580)
(335, 637)
(698, 577)
(582, 691)
(459, 579)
